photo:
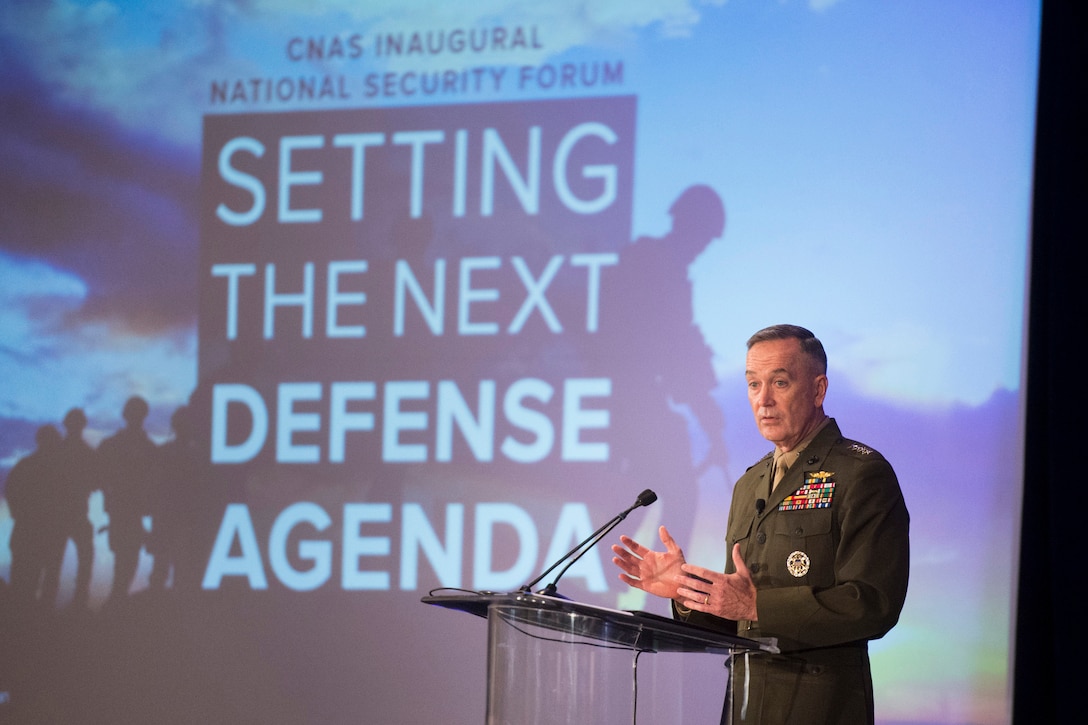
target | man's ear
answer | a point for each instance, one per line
(821, 390)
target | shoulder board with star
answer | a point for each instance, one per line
(859, 449)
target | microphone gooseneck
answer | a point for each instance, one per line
(645, 498)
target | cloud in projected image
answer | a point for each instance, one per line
(91, 365)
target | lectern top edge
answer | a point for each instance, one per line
(635, 629)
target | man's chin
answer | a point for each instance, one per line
(770, 431)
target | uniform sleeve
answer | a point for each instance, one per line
(863, 596)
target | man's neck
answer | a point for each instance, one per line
(810, 432)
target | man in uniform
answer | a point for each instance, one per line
(819, 560)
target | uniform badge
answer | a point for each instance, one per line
(816, 493)
(797, 563)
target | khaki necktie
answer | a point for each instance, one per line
(780, 468)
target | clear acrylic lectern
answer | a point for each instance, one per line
(554, 661)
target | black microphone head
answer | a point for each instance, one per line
(760, 505)
(646, 498)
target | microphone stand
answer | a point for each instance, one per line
(645, 498)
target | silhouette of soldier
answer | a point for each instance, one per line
(30, 484)
(175, 503)
(660, 365)
(77, 480)
(129, 473)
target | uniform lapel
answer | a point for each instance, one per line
(810, 460)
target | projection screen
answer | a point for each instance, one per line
(420, 294)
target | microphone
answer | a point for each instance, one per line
(760, 505)
(645, 498)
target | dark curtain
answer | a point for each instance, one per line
(1051, 612)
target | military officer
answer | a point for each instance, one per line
(819, 551)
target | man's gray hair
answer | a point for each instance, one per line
(810, 344)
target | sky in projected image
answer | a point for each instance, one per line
(874, 161)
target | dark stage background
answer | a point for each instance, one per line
(1050, 634)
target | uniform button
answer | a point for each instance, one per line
(761, 537)
(754, 568)
(799, 531)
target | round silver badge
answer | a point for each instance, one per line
(797, 563)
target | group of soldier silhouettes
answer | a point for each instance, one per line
(48, 494)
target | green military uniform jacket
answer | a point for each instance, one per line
(829, 554)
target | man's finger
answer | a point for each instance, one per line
(738, 562)
(667, 540)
